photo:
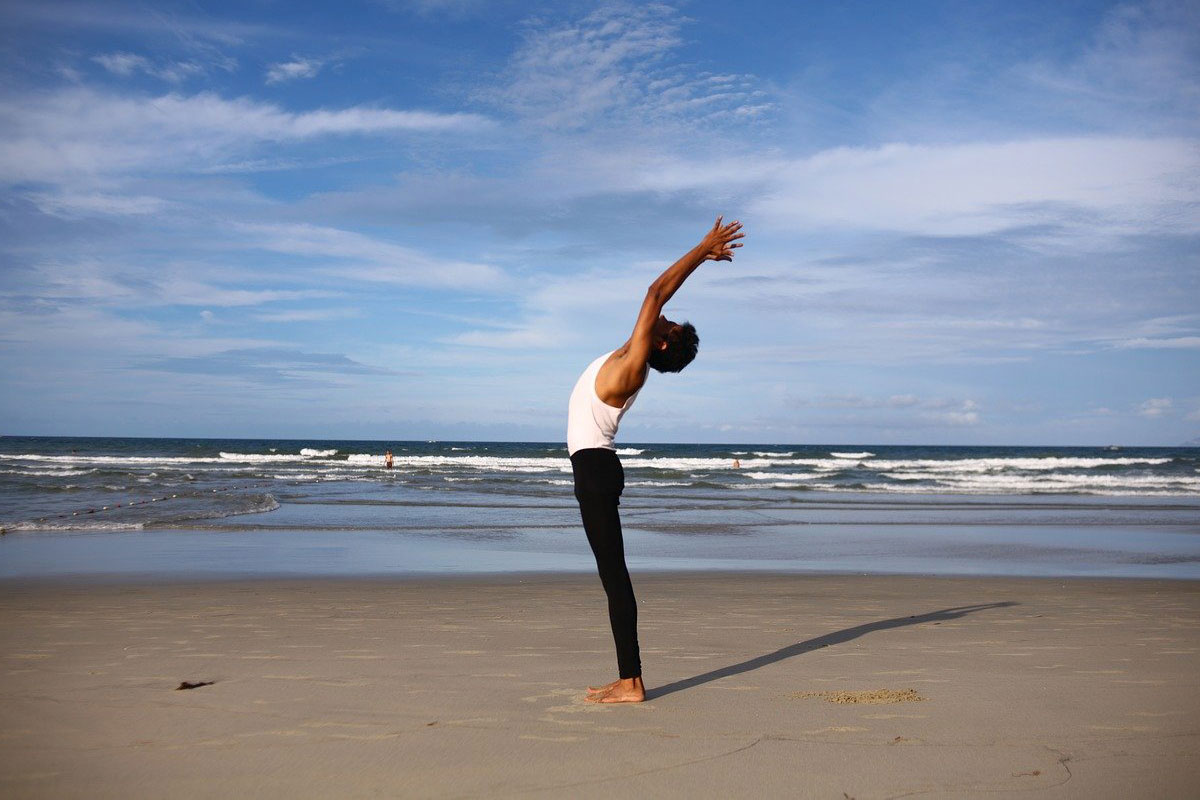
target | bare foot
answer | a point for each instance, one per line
(624, 690)
(606, 687)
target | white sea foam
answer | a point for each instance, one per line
(259, 458)
(263, 504)
(487, 463)
(299, 476)
(1065, 482)
(693, 464)
(105, 460)
(785, 476)
(1108, 473)
(268, 503)
(74, 524)
(827, 464)
(1028, 464)
(822, 464)
(79, 460)
(1031, 487)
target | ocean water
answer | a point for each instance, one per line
(228, 507)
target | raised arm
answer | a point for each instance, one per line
(625, 371)
(717, 245)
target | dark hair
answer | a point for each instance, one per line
(682, 343)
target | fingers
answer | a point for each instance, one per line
(732, 227)
(726, 236)
(726, 252)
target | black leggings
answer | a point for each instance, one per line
(599, 480)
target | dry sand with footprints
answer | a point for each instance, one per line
(760, 685)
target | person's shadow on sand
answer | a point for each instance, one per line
(808, 646)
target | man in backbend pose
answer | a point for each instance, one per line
(602, 395)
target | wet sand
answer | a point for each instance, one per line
(759, 685)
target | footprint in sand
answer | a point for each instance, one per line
(872, 697)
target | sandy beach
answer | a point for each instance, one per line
(760, 685)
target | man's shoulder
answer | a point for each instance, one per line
(618, 359)
(620, 375)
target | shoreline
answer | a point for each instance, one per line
(169, 580)
(653, 544)
(792, 684)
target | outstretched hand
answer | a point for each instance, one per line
(720, 241)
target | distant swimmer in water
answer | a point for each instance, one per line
(602, 395)
(737, 464)
(387, 460)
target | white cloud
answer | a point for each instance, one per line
(178, 71)
(90, 334)
(1130, 185)
(178, 290)
(126, 64)
(1173, 332)
(294, 69)
(958, 417)
(122, 63)
(614, 67)
(82, 132)
(71, 205)
(615, 76)
(860, 401)
(936, 410)
(1155, 407)
(370, 259)
(307, 315)
(1077, 193)
(559, 313)
(104, 284)
(966, 414)
(277, 164)
(1143, 57)
(1176, 343)
(74, 333)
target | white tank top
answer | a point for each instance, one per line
(590, 421)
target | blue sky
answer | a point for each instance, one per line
(972, 223)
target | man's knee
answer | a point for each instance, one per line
(599, 510)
